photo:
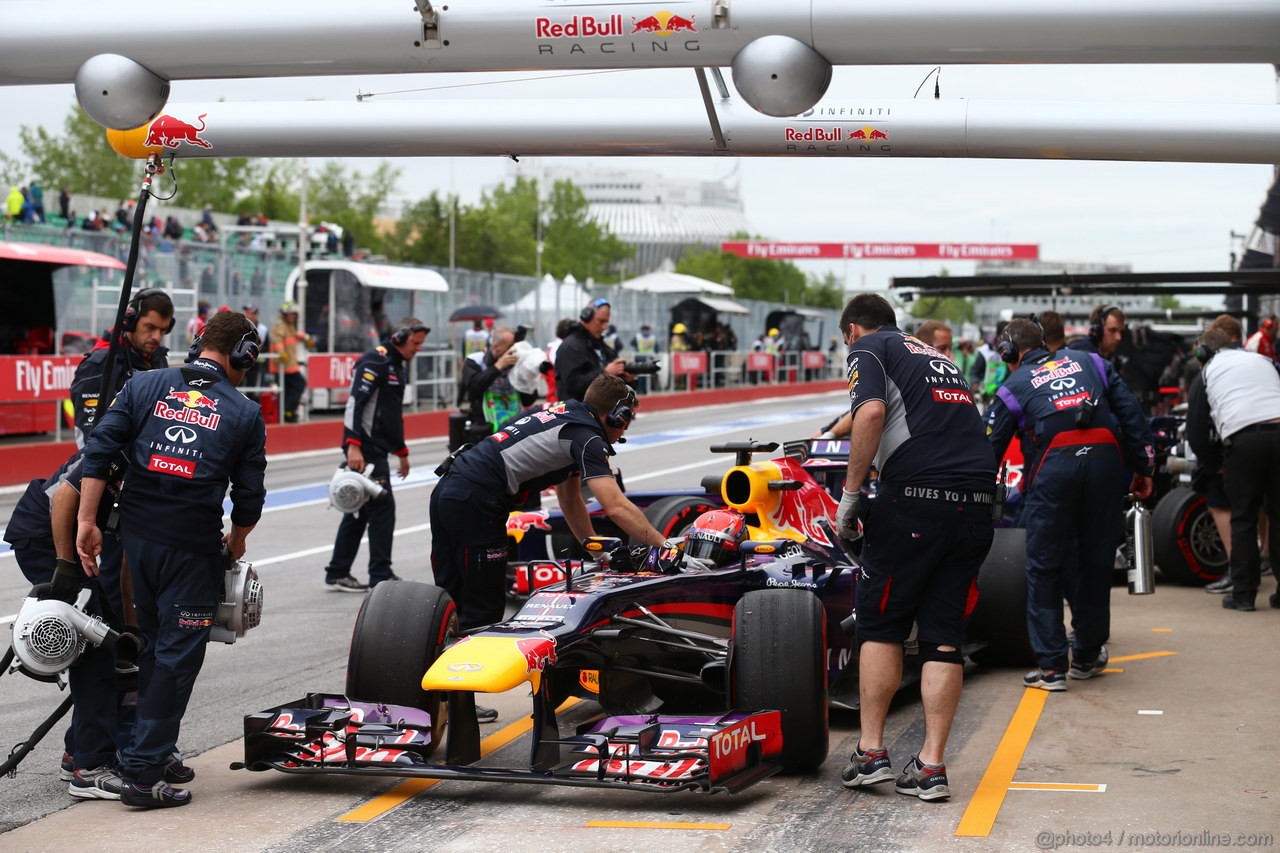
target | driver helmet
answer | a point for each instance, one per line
(715, 536)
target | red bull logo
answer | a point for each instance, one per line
(539, 652)
(169, 132)
(523, 522)
(868, 133)
(578, 26)
(663, 24)
(800, 510)
(192, 399)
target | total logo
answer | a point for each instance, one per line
(185, 468)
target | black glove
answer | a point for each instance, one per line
(67, 581)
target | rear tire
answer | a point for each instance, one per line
(1185, 541)
(400, 631)
(672, 515)
(1000, 617)
(777, 662)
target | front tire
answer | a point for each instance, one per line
(777, 662)
(400, 631)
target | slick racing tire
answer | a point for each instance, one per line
(1185, 541)
(400, 631)
(1000, 617)
(673, 515)
(777, 661)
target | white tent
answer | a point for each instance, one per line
(665, 281)
(545, 305)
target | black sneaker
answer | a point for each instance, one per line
(177, 773)
(1053, 680)
(392, 577)
(1274, 600)
(66, 768)
(867, 768)
(100, 783)
(1234, 602)
(486, 715)
(1081, 671)
(1220, 586)
(161, 795)
(1265, 568)
(346, 583)
(926, 781)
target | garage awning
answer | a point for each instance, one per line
(722, 306)
(56, 255)
(387, 276)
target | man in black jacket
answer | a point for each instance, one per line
(373, 430)
(584, 355)
(188, 434)
(148, 318)
(486, 391)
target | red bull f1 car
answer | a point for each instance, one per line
(706, 681)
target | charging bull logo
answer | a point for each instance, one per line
(539, 652)
(663, 24)
(800, 510)
(192, 399)
(520, 523)
(169, 132)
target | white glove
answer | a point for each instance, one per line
(848, 525)
(698, 565)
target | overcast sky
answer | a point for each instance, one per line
(1155, 216)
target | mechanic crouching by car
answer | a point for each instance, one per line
(928, 531)
(187, 433)
(372, 432)
(1084, 439)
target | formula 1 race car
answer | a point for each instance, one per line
(707, 681)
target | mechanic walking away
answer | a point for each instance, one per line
(285, 338)
(372, 431)
(187, 433)
(147, 319)
(928, 531)
(1242, 395)
(584, 355)
(1084, 439)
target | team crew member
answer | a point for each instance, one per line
(372, 431)
(584, 355)
(1106, 331)
(187, 433)
(927, 532)
(1242, 395)
(147, 319)
(1084, 439)
(566, 446)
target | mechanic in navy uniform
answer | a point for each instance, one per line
(1084, 439)
(566, 445)
(372, 432)
(187, 433)
(1240, 391)
(928, 530)
(583, 355)
(147, 319)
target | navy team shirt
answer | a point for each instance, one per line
(933, 434)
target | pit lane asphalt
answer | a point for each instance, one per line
(1203, 765)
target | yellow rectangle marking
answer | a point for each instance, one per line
(1057, 786)
(1143, 656)
(981, 813)
(1115, 669)
(644, 824)
(410, 788)
(1162, 630)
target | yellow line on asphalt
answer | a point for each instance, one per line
(642, 824)
(1162, 630)
(981, 813)
(1057, 786)
(1114, 669)
(1143, 656)
(410, 788)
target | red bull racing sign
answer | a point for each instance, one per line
(645, 33)
(196, 408)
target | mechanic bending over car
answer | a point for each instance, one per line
(1241, 393)
(566, 445)
(928, 531)
(1084, 438)
(171, 524)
